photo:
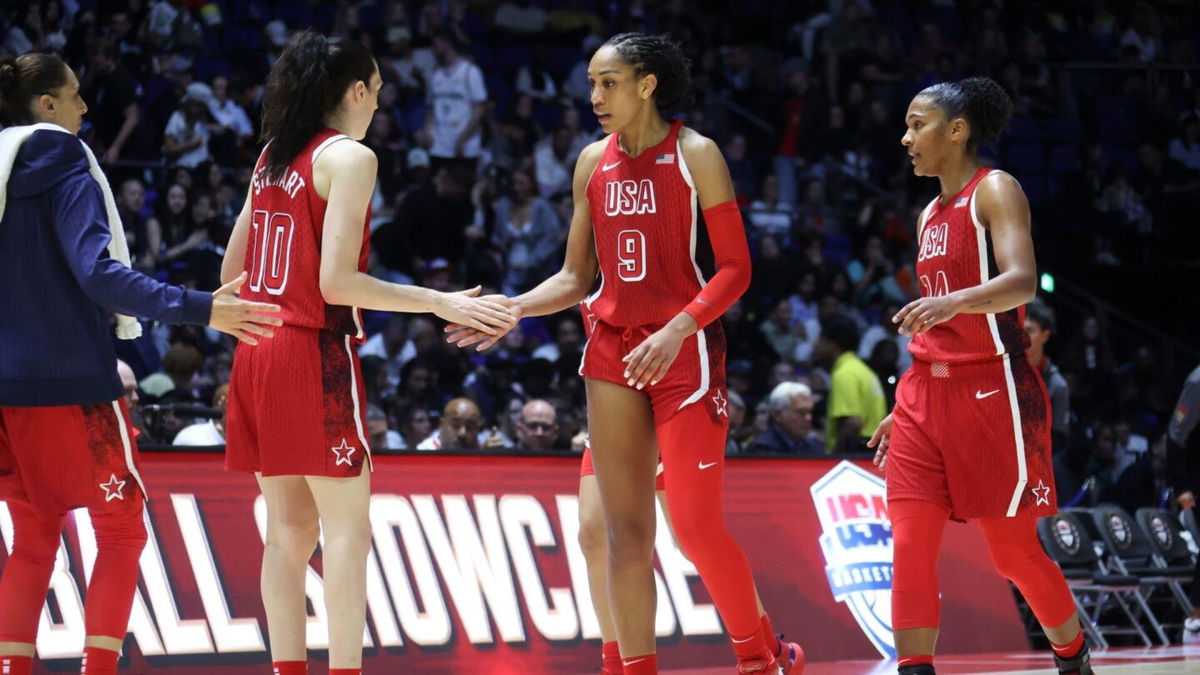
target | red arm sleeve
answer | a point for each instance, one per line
(728, 237)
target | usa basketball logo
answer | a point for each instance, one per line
(856, 538)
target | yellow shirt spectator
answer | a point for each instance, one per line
(854, 391)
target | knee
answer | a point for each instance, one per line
(1012, 563)
(593, 538)
(696, 534)
(293, 538)
(630, 540)
(352, 537)
(121, 529)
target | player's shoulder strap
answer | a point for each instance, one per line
(325, 144)
(925, 216)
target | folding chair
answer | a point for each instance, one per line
(1170, 552)
(1068, 544)
(1131, 552)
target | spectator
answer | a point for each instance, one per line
(1185, 148)
(872, 275)
(527, 234)
(739, 431)
(886, 331)
(789, 431)
(212, 431)
(520, 17)
(856, 400)
(770, 216)
(459, 429)
(1040, 325)
(537, 428)
(456, 98)
(185, 140)
(568, 341)
(814, 215)
(142, 234)
(554, 162)
(129, 384)
(230, 116)
(778, 330)
(412, 425)
(378, 434)
(113, 94)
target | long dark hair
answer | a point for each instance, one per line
(23, 79)
(662, 56)
(305, 85)
(980, 100)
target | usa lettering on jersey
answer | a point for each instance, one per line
(291, 181)
(933, 241)
(629, 197)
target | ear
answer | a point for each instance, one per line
(46, 103)
(647, 86)
(959, 129)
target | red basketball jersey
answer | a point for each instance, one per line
(283, 256)
(644, 219)
(955, 253)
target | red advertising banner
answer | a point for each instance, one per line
(475, 568)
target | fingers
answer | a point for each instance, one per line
(642, 363)
(232, 287)
(243, 336)
(497, 316)
(471, 292)
(876, 437)
(256, 329)
(487, 343)
(482, 327)
(904, 311)
(263, 319)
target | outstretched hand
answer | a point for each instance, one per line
(488, 314)
(464, 334)
(241, 318)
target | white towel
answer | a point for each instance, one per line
(10, 143)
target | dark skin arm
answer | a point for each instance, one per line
(1002, 209)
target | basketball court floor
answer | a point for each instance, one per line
(1124, 661)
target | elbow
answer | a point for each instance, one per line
(332, 288)
(1029, 286)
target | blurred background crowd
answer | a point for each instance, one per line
(806, 99)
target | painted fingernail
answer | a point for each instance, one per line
(626, 375)
(640, 385)
(629, 382)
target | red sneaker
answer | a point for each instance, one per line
(759, 666)
(791, 657)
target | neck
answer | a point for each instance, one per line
(338, 124)
(647, 129)
(957, 174)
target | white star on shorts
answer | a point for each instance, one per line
(112, 489)
(1042, 492)
(722, 403)
(343, 458)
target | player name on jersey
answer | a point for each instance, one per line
(291, 181)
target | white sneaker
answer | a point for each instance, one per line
(1192, 624)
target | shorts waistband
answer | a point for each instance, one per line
(961, 369)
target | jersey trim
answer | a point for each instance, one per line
(923, 219)
(1018, 435)
(358, 425)
(687, 178)
(982, 246)
(702, 347)
(128, 448)
(325, 144)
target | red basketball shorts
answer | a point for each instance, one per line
(696, 376)
(58, 458)
(296, 406)
(586, 469)
(974, 438)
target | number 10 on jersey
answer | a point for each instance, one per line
(270, 251)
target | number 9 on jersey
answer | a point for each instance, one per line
(631, 255)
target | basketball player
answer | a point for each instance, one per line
(66, 439)
(654, 363)
(969, 438)
(295, 415)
